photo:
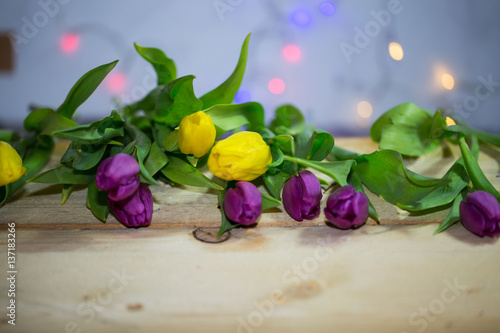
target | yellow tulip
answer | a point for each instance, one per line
(196, 134)
(242, 156)
(11, 164)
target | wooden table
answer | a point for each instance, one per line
(76, 274)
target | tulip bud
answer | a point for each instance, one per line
(302, 196)
(480, 214)
(196, 134)
(243, 204)
(136, 210)
(11, 164)
(241, 156)
(346, 208)
(119, 176)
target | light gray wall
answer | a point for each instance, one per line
(457, 36)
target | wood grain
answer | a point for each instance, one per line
(75, 274)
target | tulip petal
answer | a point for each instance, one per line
(472, 218)
(292, 198)
(233, 204)
(486, 203)
(311, 194)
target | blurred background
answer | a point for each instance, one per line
(342, 63)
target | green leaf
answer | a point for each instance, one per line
(46, 121)
(100, 131)
(224, 94)
(97, 202)
(277, 156)
(406, 129)
(156, 159)
(440, 130)
(274, 182)
(64, 175)
(142, 144)
(83, 156)
(7, 135)
(269, 202)
(288, 120)
(384, 173)
(184, 173)
(226, 225)
(356, 182)
(476, 175)
(164, 66)
(342, 154)
(170, 142)
(319, 146)
(176, 101)
(227, 117)
(146, 104)
(338, 170)
(285, 142)
(454, 214)
(66, 192)
(83, 88)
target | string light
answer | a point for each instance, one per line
(396, 51)
(242, 96)
(365, 109)
(327, 8)
(276, 86)
(69, 42)
(292, 53)
(447, 81)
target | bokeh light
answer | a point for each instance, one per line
(447, 81)
(276, 86)
(116, 82)
(292, 53)
(365, 109)
(69, 42)
(327, 8)
(301, 18)
(396, 51)
(242, 96)
(450, 122)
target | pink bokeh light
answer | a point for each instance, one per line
(276, 86)
(70, 42)
(116, 82)
(292, 53)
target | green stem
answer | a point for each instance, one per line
(474, 170)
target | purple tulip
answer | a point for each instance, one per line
(346, 208)
(243, 204)
(119, 176)
(302, 196)
(480, 214)
(136, 210)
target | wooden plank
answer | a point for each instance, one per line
(312, 279)
(183, 206)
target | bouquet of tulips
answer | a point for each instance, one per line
(173, 136)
